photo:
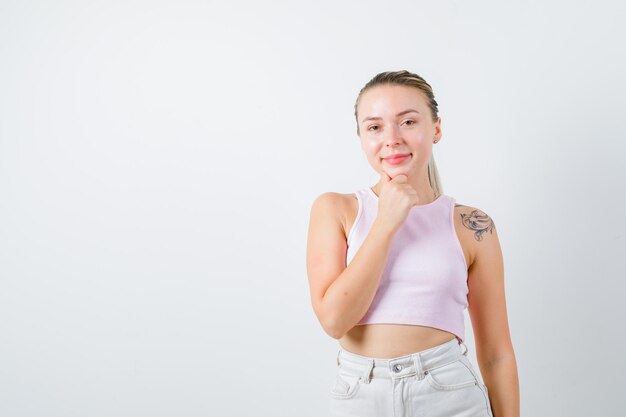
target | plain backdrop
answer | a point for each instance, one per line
(158, 161)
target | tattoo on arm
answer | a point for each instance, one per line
(477, 221)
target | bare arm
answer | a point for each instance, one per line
(488, 313)
(341, 295)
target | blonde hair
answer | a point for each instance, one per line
(410, 79)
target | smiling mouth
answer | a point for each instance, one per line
(396, 158)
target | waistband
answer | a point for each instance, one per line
(414, 364)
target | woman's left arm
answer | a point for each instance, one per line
(487, 309)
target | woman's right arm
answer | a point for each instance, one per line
(341, 295)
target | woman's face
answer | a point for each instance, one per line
(395, 119)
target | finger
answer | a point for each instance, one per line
(401, 178)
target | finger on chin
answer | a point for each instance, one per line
(401, 178)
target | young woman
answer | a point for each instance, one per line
(392, 268)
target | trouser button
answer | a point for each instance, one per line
(397, 367)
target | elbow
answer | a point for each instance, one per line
(333, 325)
(334, 329)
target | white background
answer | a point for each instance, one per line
(158, 161)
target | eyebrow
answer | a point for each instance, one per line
(399, 114)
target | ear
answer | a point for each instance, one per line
(438, 129)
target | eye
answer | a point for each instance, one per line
(370, 128)
(410, 121)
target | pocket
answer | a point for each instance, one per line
(452, 376)
(485, 391)
(346, 385)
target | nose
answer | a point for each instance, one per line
(392, 135)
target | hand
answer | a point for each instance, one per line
(396, 198)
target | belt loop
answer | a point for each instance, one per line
(464, 353)
(368, 375)
(419, 368)
(338, 353)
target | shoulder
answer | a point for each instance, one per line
(476, 229)
(330, 200)
(475, 220)
(336, 206)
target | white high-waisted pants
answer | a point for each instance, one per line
(436, 382)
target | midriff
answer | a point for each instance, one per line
(392, 340)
